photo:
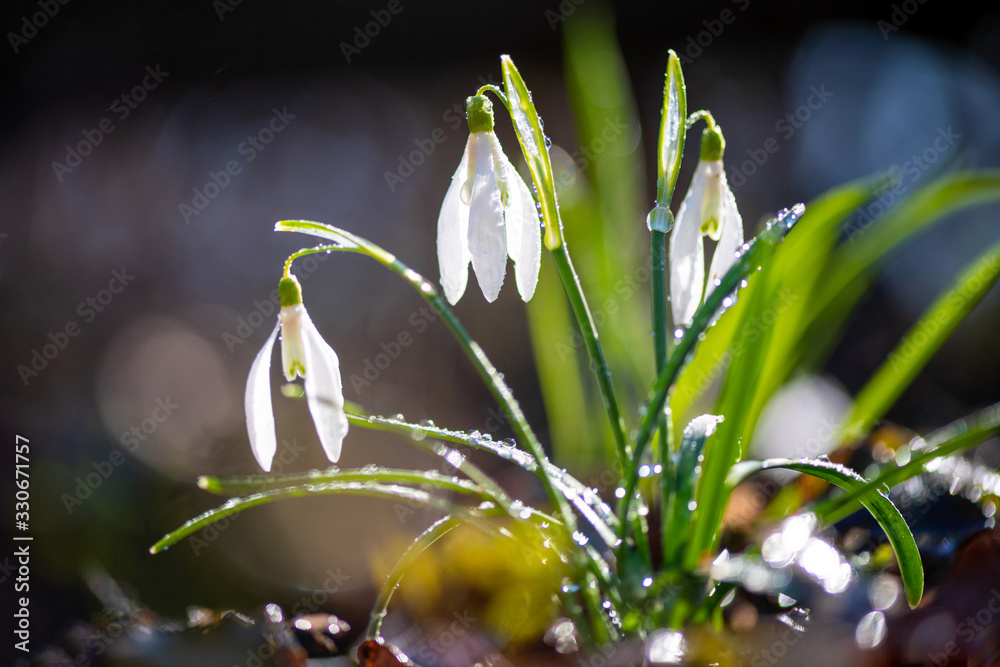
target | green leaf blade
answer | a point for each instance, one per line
(881, 508)
(920, 343)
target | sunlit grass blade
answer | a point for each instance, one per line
(372, 489)
(881, 508)
(531, 136)
(672, 131)
(424, 541)
(583, 498)
(387, 476)
(921, 342)
(679, 509)
(950, 440)
(857, 261)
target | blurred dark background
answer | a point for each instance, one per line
(128, 202)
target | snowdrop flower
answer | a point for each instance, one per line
(487, 214)
(305, 354)
(709, 208)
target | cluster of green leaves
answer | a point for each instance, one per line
(777, 312)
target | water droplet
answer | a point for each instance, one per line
(666, 647)
(620, 492)
(644, 470)
(679, 333)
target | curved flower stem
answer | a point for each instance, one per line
(345, 241)
(307, 251)
(581, 310)
(496, 91)
(702, 114)
(424, 541)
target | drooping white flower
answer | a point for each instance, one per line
(487, 214)
(709, 208)
(304, 354)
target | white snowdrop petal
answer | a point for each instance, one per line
(730, 240)
(257, 403)
(453, 232)
(524, 234)
(324, 390)
(487, 242)
(687, 254)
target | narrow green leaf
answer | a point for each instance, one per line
(254, 483)
(922, 341)
(422, 543)
(672, 131)
(531, 136)
(686, 477)
(881, 508)
(952, 439)
(583, 498)
(856, 262)
(235, 505)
